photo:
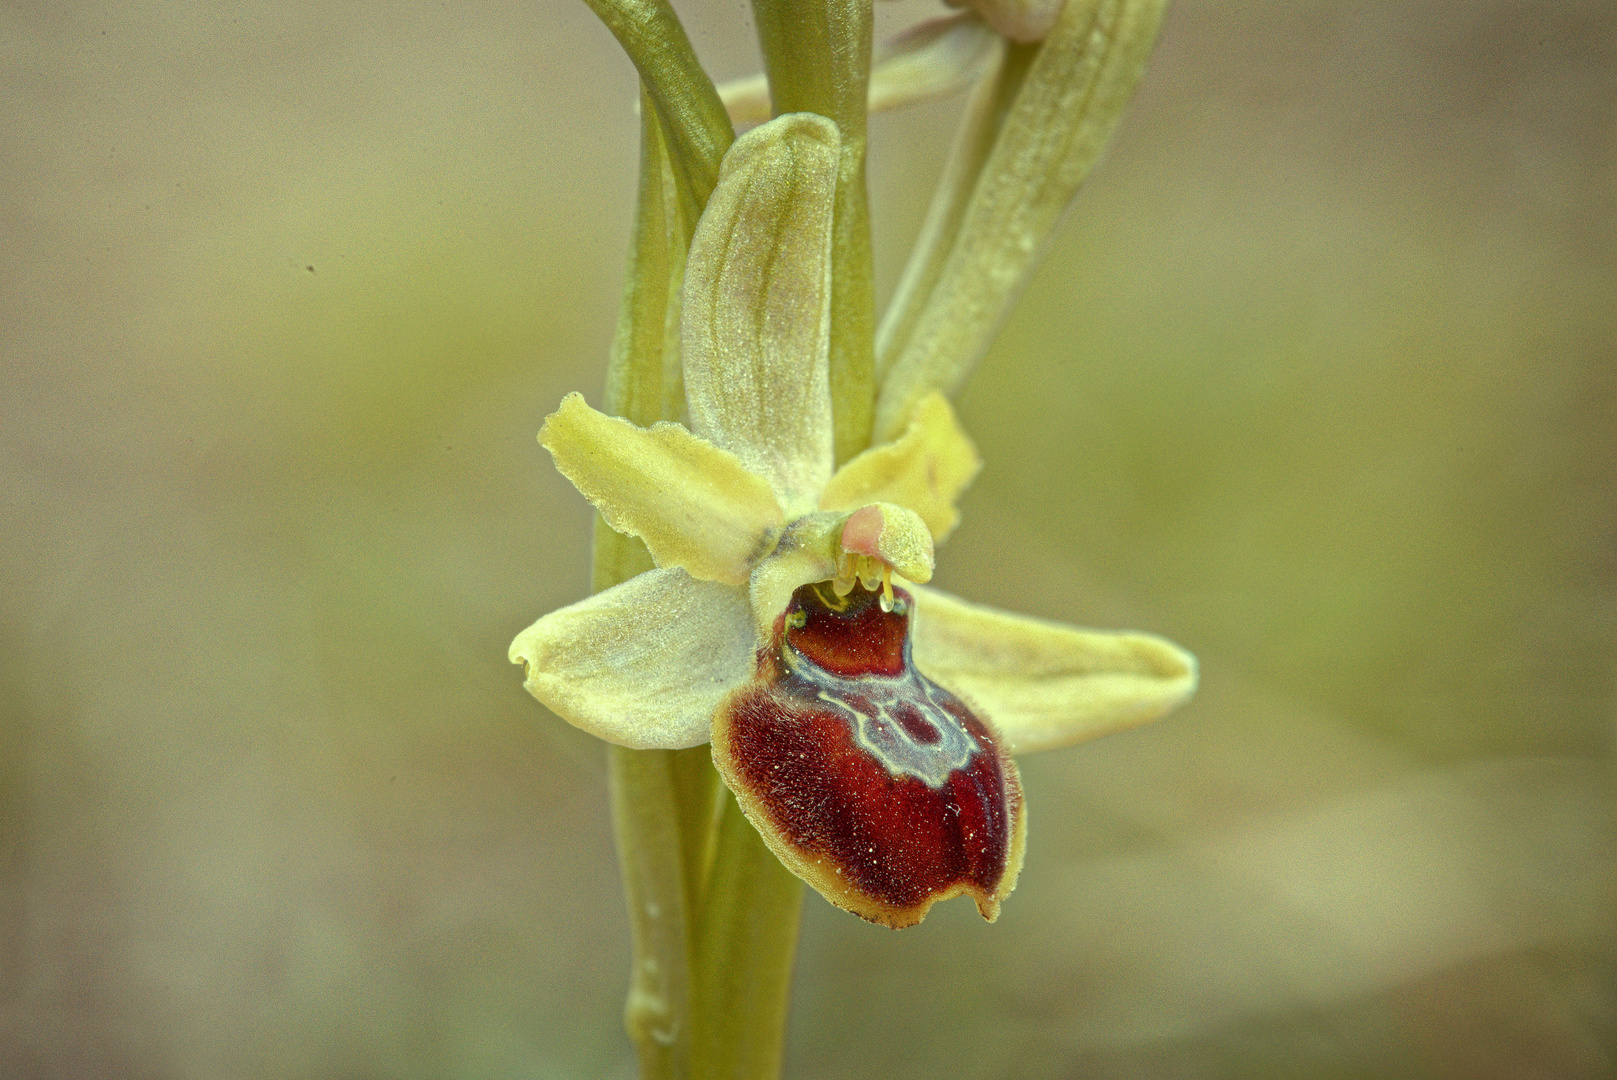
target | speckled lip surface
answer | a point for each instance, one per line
(883, 783)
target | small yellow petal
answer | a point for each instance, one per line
(693, 504)
(925, 470)
(1042, 684)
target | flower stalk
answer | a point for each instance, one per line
(744, 951)
(713, 914)
(663, 801)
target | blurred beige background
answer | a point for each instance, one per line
(1319, 380)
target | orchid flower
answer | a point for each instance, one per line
(864, 722)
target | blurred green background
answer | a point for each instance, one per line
(1320, 380)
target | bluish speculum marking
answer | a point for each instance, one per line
(902, 720)
(874, 777)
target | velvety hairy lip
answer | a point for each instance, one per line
(879, 787)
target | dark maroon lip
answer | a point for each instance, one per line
(856, 759)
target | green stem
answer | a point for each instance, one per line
(683, 95)
(647, 822)
(644, 379)
(698, 801)
(743, 959)
(664, 802)
(713, 915)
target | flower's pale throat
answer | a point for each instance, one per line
(876, 785)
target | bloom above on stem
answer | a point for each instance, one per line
(863, 722)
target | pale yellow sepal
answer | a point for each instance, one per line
(693, 504)
(645, 663)
(925, 470)
(931, 60)
(756, 328)
(1041, 684)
